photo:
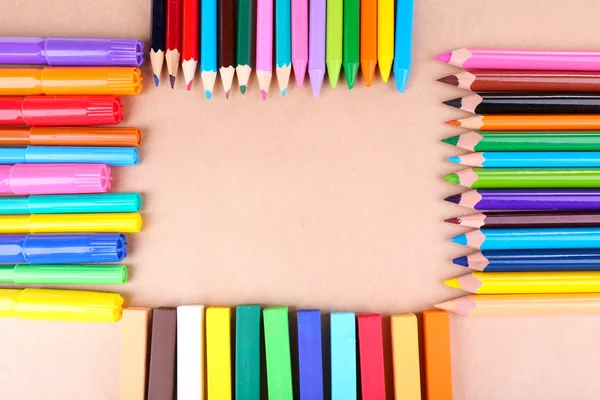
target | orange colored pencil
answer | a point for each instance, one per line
(559, 122)
(368, 39)
(438, 364)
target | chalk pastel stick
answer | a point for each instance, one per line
(277, 349)
(343, 356)
(218, 352)
(190, 349)
(405, 348)
(372, 371)
(438, 364)
(247, 352)
(310, 356)
(161, 376)
(134, 352)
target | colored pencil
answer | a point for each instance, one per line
(523, 59)
(524, 304)
(245, 42)
(368, 39)
(333, 52)
(510, 122)
(218, 352)
(528, 219)
(351, 41)
(438, 361)
(189, 51)
(310, 355)
(161, 374)
(277, 351)
(528, 103)
(190, 352)
(524, 81)
(135, 323)
(247, 352)
(173, 40)
(531, 238)
(529, 159)
(264, 45)
(405, 349)
(316, 45)
(208, 46)
(158, 38)
(528, 282)
(227, 18)
(529, 199)
(300, 39)
(532, 260)
(527, 141)
(403, 45)
(283, 43)
(385, 37)
(343, 356)
(512, 178)
(372, 371)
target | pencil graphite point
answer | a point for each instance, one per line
(454, 220)
(462, 261)
(243, 75)
(243, 89)
(284, 92)
(460, 239)
(451, 140)
(189, 85)
(452, 178)
(208, 94)
(450, 80)
(455, 159)
(156, 80)
(453, 122)
(401, 77)
(263, 94)
(444, 57)
(453, 283)
(455, 198)
(456, 103)
(172, 80)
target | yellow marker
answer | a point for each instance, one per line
(218, 353)
(528, 282)
(60, 305)
(385, 37)
(405, 347)
(71, 223)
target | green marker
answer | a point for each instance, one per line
(333, 52)
(69, 274)
(277, 348)
(351, 59)
(247, 352)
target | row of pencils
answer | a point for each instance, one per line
(535, 171)
(319, 36)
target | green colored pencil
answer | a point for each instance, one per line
(527, 141)
(277, 349)
(351, 43)
(245, 42)
(513, 178)
(247, 352)
(333, 52)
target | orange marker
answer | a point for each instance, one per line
(368, 39)
(438, 364)
(118, 81)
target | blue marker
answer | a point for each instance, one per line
(343, 356)
(208, 46)
(403, 42)
(528, 159)
(113, 156)
(283, 43)
(310, 358)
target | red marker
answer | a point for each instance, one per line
(173, 53)
(372, 373)
(190, 41)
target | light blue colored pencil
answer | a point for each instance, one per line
(531, 238)
(403, 42)
(527, 159)
(208, 46)
(343, 356)
(283, 43)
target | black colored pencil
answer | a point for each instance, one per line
(158, 37)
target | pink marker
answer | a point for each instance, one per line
(264, 45)
(523, 59)
(299, 39)
(24, 179)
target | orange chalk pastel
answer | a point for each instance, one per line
(438, 364)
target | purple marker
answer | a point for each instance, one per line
(71, 51)
(316, 44)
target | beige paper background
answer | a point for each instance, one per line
(334, 202)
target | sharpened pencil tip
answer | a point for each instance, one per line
(455, 159)
(462, 261)
(227, 95)
(451, 140)
(172, 80)
(456, 103)
(460, 239)
(189, 85)
(455, 198)
(450, 80)
(446, 306)
(453, 122)
(284, 92)
(156, 80)
(263, 94)
(444, 57)
(243, 89)
(208, 94)
(454, 220)
(453, 283)
(452, 178)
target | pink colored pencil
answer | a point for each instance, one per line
(264, 45)
(523, 59)
(299, 39)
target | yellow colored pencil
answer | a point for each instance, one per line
(71, 223)
(528, 282)
(218, 353)
(405, 349)
(385, 37)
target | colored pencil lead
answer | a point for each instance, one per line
(444, 57)
(156, 80)
(460, 239)
(454, 220)
(455, 159)
(455, 198)
(462, 261)
(450, 80)
(452, 178)
(453, 122)
(453, 283)
(172, 81)
(451, 140)
(456, 103)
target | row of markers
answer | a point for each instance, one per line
(320, 36)
(536, 174)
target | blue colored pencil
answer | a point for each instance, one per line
(532, 260)
(208, 46)
(531, 238)
(502, 159)
(403, 42)
(310, 357)
(343, 356)
(283, 43)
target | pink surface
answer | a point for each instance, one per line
(333, 203)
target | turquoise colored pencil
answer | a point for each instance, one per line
(283, 43)
(527, 159)
(403, 42)
(208, 46)
(343, 356)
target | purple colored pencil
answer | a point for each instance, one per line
(71, 51)
(316, 44)
(529, 199)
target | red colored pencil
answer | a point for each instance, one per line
(372, 370)
(173, 53)
(190, 41)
